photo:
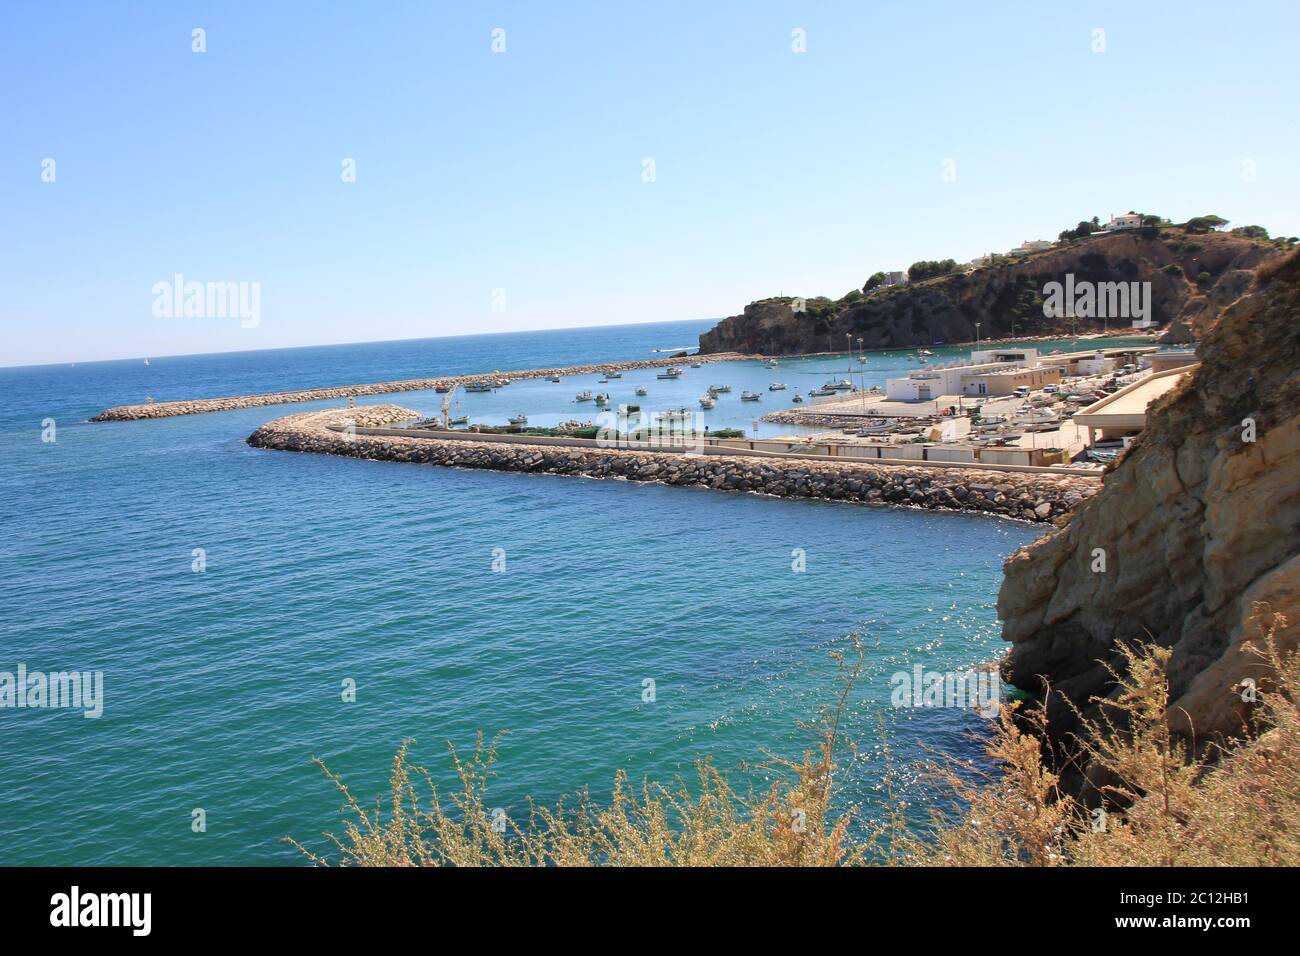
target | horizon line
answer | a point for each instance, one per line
(327, 345)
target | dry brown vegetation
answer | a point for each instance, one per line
(1166, 805)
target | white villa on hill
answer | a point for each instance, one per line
(1031, 245)
(1129, 220)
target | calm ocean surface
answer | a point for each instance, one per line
(221, 686)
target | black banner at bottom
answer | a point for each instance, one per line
(308, 905)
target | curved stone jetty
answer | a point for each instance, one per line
(199, 406)
(1026, 496)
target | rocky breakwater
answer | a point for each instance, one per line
(1195, 530)
(1029, 497)
(198, 406)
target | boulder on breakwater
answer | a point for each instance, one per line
(1025, 496)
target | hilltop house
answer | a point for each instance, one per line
(1129, 220)
(1031, 245)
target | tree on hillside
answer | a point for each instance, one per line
(876, 279)
(929, 268)
(1206, 223)
(1079, 231)
(1251, 232)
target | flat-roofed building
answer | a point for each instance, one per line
(1164, 361)
(1098, 361)
(1124, 413)
(989, 372)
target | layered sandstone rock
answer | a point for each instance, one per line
(1197, 525)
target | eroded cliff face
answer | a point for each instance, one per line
(1196, 526)
(1192, 277)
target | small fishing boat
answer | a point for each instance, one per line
(750, 396)
(821, 392)
(520, 419)
(442, 389)
(583, 397)
(843, 385)
(615, 374)
(554, 378)
(771, 364)
(602, 381)
(146, 361)
(719, 389)
(642, 391)
(459, 420)
(797, 398)
(776, 387)
(675, 415)
(696, 365)
(670, 372)
(602, 400)
(478, 386)
(706, 401)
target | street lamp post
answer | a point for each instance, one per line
(977, 336)
(862, 369)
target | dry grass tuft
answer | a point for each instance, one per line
(1165, 805)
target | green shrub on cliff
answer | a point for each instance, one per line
(931, 268)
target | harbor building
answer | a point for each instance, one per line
(1123, 414)
(1164, 361)
(1099, 361)
(987, 372)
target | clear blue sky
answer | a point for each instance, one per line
(775, 170)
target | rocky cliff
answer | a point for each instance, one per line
(1196, 526)
(1192, 277)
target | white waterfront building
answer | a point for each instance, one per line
(987, 372)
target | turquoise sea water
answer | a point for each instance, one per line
(221, 685)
